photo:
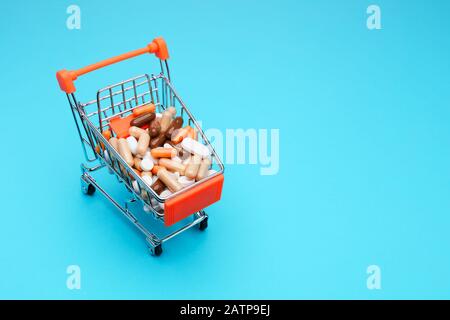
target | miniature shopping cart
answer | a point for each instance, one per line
(118, 101)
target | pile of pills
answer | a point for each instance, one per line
(167, 156)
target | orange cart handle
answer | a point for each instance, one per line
(66, 78)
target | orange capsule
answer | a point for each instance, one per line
(163, 152)
(191, 133)
(155, 169)
(148, 108)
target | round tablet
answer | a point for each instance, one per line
(185, 181)
(146, 164)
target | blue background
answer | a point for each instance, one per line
(364, 150)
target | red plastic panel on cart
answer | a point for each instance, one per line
(120, 125)
(193, 200)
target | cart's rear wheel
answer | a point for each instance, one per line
(203, 224)
(156, 251)
(90, 190)
(87, 188)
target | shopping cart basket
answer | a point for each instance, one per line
(117, 101)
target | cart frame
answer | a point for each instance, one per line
(118, 100)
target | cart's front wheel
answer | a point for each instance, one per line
(87, 188)
(156, 251)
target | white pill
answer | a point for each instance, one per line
(148, 180)
(146, 164)
(192, 146)
(211, 172)
(132, 144)
(166, 193)
(158, 115)
(175, 175)
(166, 145)
(185, 181)
(148, 155)
(135, 186)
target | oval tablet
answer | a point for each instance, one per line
(132, 144)
(192, 146)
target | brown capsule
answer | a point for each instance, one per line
(177, 123)
(144, 141)
(158, 141)
(158, 186)
(142, 120)
(155, 128)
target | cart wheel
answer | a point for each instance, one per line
(156, 251)
(203, 224)
(90, 190)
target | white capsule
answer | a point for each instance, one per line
(132, 144)
(146, 164)
(192, 146)
(148, 180)
(158, 115)
(175, 174)
(211, 172)
(185, 181)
